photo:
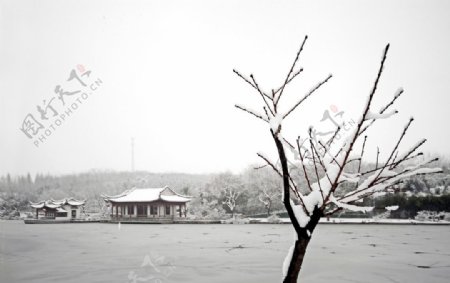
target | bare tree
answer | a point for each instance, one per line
(231, 195)
(263, 186)
(267, 198)
(326, 164)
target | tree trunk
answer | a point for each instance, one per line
(300, 246)
(303, 233)
(297, 260)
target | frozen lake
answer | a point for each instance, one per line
(219, 253)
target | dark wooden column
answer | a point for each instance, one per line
(112, 210)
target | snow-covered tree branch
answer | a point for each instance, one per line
(328, 166)
(230, 199)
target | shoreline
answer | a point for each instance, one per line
(361, 221)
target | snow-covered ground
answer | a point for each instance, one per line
(219, 253)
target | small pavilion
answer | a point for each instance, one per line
(147, 203)
(65, 209)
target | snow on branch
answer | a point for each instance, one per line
(408, 153)
(396, 96)
(371, 115)
(316, 87)
(252, 112)
(380, 182)
(275, 123)
(351, 207)
(394, 150)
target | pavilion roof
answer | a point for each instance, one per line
(148, 195)
(57, 203)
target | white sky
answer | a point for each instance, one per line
(166, 68)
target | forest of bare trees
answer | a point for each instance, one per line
(211, 192)
(259, 191)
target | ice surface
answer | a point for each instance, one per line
(74, 253)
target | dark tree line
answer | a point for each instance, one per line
(259, 191)
(408, 207)
(211, 192)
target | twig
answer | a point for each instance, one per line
(303, 165)
(276, 99)
(251, 112)
(262, 94)
(248, 81)
(307, 95)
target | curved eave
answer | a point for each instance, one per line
(147, 195)
(55, 204)
(111, 198)
(76, 202)
(130, 201)
(37, 205)
(174, 198)
(184, 200)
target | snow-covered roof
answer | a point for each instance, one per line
(57, 203)
(59, 209)
(174, 198)
(148, 195)
(69, 201)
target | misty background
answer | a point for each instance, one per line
(166, 68)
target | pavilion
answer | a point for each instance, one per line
(65, 209)
(147, 203)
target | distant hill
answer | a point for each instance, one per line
(16, 192)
